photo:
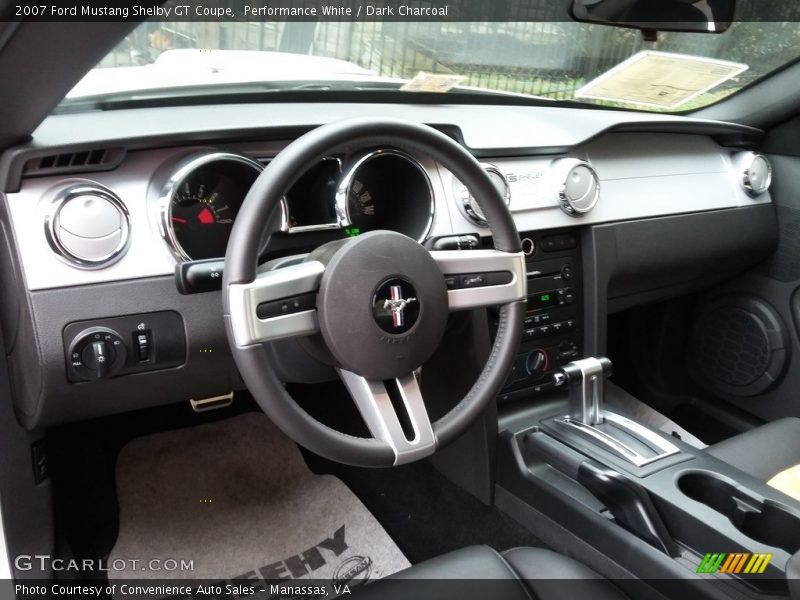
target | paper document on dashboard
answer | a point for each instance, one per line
(660, 79)
(432, 82)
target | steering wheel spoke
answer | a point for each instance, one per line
(276, 304)
(477, 278)
(395, 413)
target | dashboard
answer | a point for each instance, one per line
(100, 215)
(164, 206)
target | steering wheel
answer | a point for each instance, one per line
(378, 303)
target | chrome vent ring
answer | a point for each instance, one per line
(577, 186)
(756, 174)
(87, 225)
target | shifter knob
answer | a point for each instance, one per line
(585, 379)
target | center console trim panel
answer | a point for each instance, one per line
(618, 447)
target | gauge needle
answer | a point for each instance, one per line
(179, 220)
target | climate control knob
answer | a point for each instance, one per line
(537, 362)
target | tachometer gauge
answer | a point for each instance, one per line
(201, 215)
(202, 201)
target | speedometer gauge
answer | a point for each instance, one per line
(359, 200)
(202, 201)
(386, 189)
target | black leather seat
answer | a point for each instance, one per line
(479, 572)
(765, 451)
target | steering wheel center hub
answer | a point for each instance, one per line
(396, 306)
(382, 305)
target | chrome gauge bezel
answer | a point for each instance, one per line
(51, 224)
(286, 228)
(184, 168)
(463, 195)
(343, 190)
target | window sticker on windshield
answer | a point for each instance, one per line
(432, 82)
(660, 79)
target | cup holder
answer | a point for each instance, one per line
(762, 520)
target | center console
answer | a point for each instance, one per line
(553, 324)
(669, 512)
(573, 465)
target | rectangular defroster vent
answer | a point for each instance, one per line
(102, 159)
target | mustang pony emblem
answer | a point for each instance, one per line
(397, 305)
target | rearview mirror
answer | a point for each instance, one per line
(702, 16)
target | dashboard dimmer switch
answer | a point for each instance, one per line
(142, 339)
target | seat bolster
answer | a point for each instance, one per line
(471, 573)
(762, 452)
(544, 571)
(472, 562)
(479, 572)
(539, 563)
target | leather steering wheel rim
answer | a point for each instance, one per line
(241, 262)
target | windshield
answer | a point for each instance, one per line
(541, 61)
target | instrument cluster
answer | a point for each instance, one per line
(379, 189)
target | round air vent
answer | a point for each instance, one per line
(577, 186)
(88, 225)
(756, 174)
(470, 206)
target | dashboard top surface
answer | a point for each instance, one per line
(483, 127)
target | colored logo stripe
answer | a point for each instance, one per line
(758, 564)
(710, 563)
(734, 563)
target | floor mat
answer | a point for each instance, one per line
(425, 513)
(237, 498)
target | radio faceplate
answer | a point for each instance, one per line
(553, 327)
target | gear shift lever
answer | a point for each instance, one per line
(585, 379)
(587, 420)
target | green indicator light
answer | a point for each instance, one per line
(352, 231)
(544, 297)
